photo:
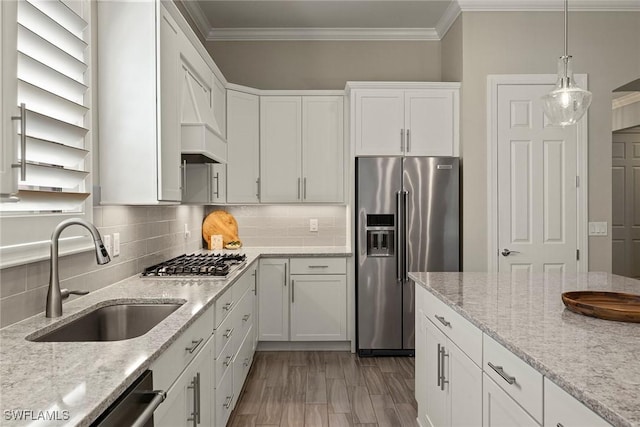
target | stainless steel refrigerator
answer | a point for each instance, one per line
(407, 220)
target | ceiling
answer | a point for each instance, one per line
(357, 19)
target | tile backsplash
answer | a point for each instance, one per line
(288, 225)
(148, 235)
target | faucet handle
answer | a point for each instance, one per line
(66, 292)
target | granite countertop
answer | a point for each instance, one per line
(77, 381)
(594, 360)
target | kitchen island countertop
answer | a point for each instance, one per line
(77, 381)
(594, 360)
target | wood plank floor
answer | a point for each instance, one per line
(309, 389)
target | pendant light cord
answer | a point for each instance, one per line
(566, 27)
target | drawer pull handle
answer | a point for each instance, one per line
(443, 320)
(227, 402)
(500, 371)
(227, 306)
(318, 266)
(559, 425)
(228, 334)
(246, 317)
(227, 361)
(195, 345)
(246, 362)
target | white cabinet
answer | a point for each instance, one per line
(188, 401)
(204, 183)
(561, 409)
(139, 129)
(415, 120)
(318, 307)
(301, 149)
(499, 410)
(8, 99)
(273, 300)
(243, 147)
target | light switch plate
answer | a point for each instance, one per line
(598, 229)
(106, 240)
(313, 224)
(116, 244)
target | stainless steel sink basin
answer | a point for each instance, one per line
(111, 323)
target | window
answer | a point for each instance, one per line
(46, 88)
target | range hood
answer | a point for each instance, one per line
(202, 138)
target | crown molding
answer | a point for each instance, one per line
(625, 100)
(197, 15)
(447, 19)
(236, 34)
(548, 5)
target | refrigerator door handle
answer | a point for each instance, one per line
(399, 237)
(405, 249)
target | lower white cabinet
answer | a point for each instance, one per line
(188, 401)
(561, 409)
(273, 300)
(500, 410)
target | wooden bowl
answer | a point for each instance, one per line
(616, 306)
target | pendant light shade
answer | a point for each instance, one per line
(567, 102)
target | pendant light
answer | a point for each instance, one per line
(567, 102)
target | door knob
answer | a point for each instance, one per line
(507, 252)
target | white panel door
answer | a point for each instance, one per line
(169, 177)
(625, 182)
(273, 300)
(429, 122)
(243, 147)
(499, 410)
(438, 407)
(379, 122)
(318, 307)
(537, 190)
(465, 384)
(280, 144)
(322, 149)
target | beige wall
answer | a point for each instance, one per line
(604, 45)
(324, 64)
(452, 53)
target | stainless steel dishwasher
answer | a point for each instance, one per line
(135, 406)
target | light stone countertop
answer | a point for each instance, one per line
(594, 360)
(84, 378)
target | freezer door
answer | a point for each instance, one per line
(379, 290)
(432, 224)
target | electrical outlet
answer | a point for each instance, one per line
(106, 239)
(116, 244)
(597, 229)
(187, 233)
(313, 224)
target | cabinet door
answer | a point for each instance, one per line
(318, 307)
(9, 99)
(273, 300)
(190, 395)
(437, 396)
(562, 409)
(465, 385)
(169, 179)
(500, 410)
(430, 122)
(421, 360)
(322, 149)
(280, 144)
(379, 122)
(243, 147)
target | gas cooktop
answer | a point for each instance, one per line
(217, 266)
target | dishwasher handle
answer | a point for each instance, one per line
(146, 415)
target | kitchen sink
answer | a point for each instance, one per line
(111, 323)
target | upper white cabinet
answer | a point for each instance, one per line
(420, 119)
(301, 149)
(204, 184)
(139, 130)
(243, 147)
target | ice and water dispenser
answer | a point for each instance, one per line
(380, 235)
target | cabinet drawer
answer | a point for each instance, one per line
(224, 399)
(241, 285)
(222, 363)
(499, 410)
(457, 328)
(335, 265)
(243, 315)
(518, 379)
(242, 364)
(224, 335)
(224, 305)
(169, 365)
(560, 408)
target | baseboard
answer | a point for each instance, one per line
(304, 346)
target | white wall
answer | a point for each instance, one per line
(604, 45)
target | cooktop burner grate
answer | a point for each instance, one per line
(208, 265)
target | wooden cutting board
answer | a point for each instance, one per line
(604, 305)
(223, 223)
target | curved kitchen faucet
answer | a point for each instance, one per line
(55, 295)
